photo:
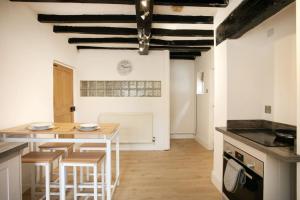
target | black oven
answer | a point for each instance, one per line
(253, 187)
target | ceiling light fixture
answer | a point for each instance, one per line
(145, 15)
(144, 3)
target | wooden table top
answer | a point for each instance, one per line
(63, 129)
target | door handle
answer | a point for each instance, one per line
(72, 109)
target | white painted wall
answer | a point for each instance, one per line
(183, 98)
(27, 51)
(102, 65)
(205, 102)
(245, 73)
(220, 94)
(265, 75)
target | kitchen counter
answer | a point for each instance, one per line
(283, 153)
(11, 170)
(8, 148)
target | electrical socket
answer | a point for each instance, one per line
(268, 109)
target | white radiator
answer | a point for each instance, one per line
(135, 128)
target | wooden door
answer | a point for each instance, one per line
(63, 93)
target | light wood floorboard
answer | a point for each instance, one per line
(183, 173)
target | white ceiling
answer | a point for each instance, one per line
(87, 8)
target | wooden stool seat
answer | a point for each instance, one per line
(41, 157)
(83, 157)
(92, 145)
(56, 145)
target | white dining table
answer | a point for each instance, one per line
(108, 133)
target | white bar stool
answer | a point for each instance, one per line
(87, 147)
(83, 159)
(44, 159)
(55, 146)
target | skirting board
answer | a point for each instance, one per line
(182, 135)
(216, 181)
(203, 143)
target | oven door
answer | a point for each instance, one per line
(251, 190)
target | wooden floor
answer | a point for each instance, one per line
(183, 173)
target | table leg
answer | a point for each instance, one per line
(118, 159)
(108, 169)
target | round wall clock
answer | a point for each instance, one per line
(124, 67)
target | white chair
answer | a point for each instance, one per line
(83, 159)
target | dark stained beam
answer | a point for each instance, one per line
(132, 31)
(178, 54)
(180, 19)
(144, 12)
(198, 3)
(135, 41)
(248, 15)
(182, 57)
(170, 48)
(179, 48)
(107, 48)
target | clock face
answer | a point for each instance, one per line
(124, 67)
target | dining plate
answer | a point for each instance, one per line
(88, 126)
(40, 126)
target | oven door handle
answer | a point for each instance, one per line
(248, 175)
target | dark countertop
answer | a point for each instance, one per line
(283, 153)
(7, 148)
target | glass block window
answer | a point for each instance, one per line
(120, 88)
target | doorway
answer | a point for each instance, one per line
(183, 99)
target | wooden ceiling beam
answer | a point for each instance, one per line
(246, 16)
(144, 12)
(196, 3)
(132, 31)
(182, 54)
(170, 48)
(180, 19)
(182, 57)
(135, 41)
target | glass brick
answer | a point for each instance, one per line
(92, 85)
(132, 93)
(100, 84)
(124, 84)
(109, 93)
(117, 85)
(92, 93)
(116, 93)
(156, 84)
(149, 84)
(132, 84)
(109, 84)
(140, 92)
(141, 84)
(125, 93)
(83, 84)
(149, 93)
(156, 93)
(100, 93)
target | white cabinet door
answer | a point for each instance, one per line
(183, 97)
(10, 179)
